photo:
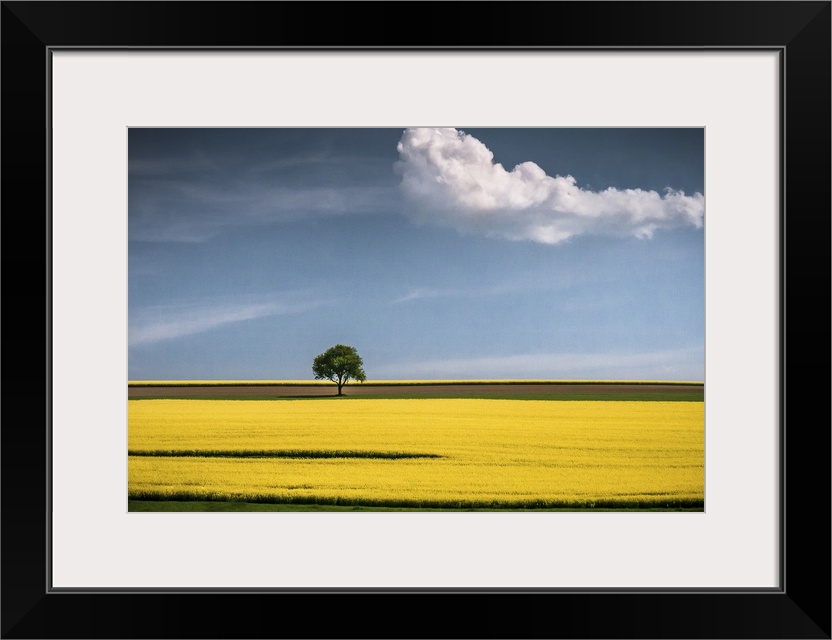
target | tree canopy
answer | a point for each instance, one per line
(339, 364)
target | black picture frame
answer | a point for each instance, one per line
(799, 608)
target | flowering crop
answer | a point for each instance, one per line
(419, 452)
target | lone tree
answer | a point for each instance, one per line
(339, 364)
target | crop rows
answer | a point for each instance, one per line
(419, 452)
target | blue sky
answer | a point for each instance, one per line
(437, 253)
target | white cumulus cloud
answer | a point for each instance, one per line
(450, 179)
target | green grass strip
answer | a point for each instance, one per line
(280, 453)
(554, 397)
(398, 383)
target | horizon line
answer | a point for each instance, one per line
(394, 382)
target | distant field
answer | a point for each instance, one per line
(638, 390)
(421, 452)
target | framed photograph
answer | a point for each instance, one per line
(712, 122)
(490, 287)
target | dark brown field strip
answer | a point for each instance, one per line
(589, 504)
(414, 391)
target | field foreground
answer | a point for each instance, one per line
(419, 453)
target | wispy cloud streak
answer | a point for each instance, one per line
(425, 293)
(180, 211)
(677, 364)
(506, 288)
(195, 196)
(168, 323)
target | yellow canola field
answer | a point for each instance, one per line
(501, 453)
